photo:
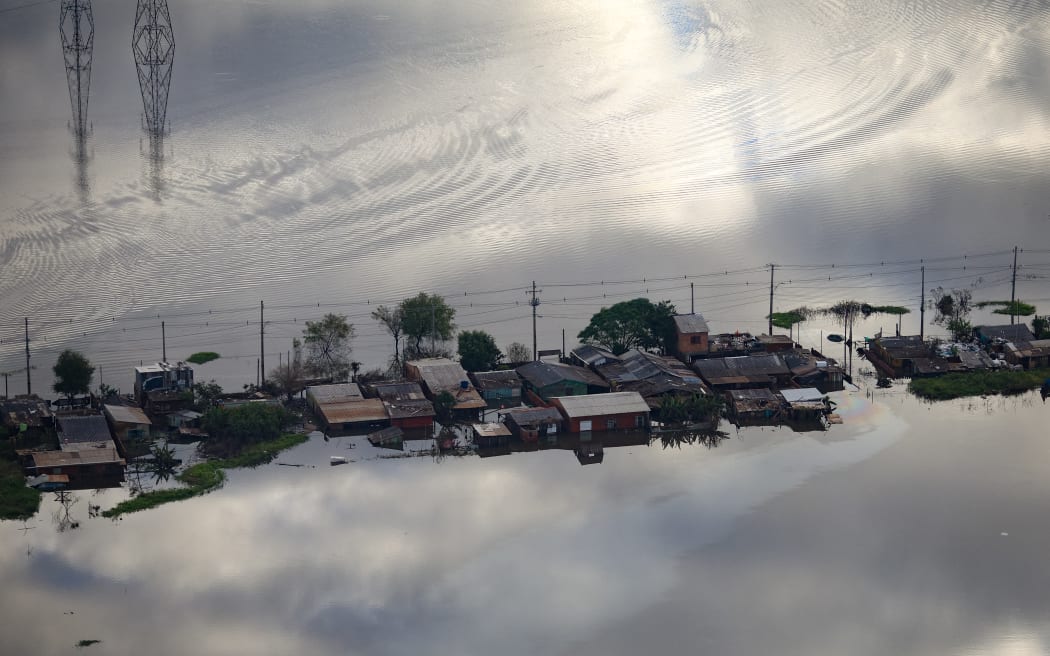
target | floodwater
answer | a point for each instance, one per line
(328, 156)
(909, 529)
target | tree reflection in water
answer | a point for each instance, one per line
(709, 438)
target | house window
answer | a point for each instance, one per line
(568, 391)
(639, 421)
(695, 339)
(610, 424)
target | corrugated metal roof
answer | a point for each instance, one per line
(804, 395)
(399, 392)
(334, 393)
(611, 403)
(690, 323)
(526, 416)
(74, 458)
(594, 356)
(491, 429)
(74, 430)
(124, 414)
(542, 374)
(496, 380)
(1017, 332)
(405, 409)
(353, 411)
(440, 373)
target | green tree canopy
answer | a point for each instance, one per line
(478, 351)
(953, 310)
(1041, 327)
(73, 373)
(638, 323)
(230, 430)
(426, 316)
(328, 346)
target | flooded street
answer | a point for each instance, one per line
(909, 529)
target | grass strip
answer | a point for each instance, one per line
(977, 383)
(207, 476)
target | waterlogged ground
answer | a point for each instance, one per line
(911, 528)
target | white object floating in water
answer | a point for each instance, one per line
(338, 460)
(1004, 534)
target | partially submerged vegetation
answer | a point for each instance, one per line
(203, 356)
(16, 500)
(958, 385)
(1009, 308)
(207, 476)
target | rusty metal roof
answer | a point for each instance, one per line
(123, 414)
(109, 455)
(492, 429)
(611, 403)
(348, 412)
(334, 393)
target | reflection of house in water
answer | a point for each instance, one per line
(88, 457)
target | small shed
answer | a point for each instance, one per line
(546, 380)
(806, 402)
(603, 412)
(129, 424)
(530, 424)
(755, 404)
(490, 435)
(498, 388)
(437, 375)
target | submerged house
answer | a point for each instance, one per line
(905, 356)
(546, 380)
(87, 456)
(653, 376)
(498, 388)
(437, 375)
(744, 372)
(26, 416)
(756, 406)
(691, 336)
(406, 405)
(811, 369)
(532, 424)
(342, 408)
(162, 387)
(603, 412)
(775, 343)
(490, 435)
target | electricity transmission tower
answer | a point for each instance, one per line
(76, 26)
(153, 45)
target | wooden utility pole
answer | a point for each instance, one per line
(1013, 290)
(163, 344)
(29, 381)
(262, 347)
(534, 302)
(922, 305)
(692, 300)
(772, 267)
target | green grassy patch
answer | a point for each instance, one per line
(202, 357)
(958, 385)
(16, 500)
(87, 643)
(207, 476)
(1016, 308)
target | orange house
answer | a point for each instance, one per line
(692, 331)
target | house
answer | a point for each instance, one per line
(406, 405)
(87, 454)
(603, 412)
(130, 426)
(804, 403)
(905, 356)
(162, 385)
(691, 336)
(341, 408)
(759, 406)
(726, 345)
(591, 357)
(490, 435)
(498, 388)
(744, 371)
(27, 416)
(531, 424)
(437, 375)
(653, 376)
(776, 343)
(545, 380)
(1009, 332)
(1030, 355)
(811, 369)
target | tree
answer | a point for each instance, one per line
(206, 394)
(632, 324)
(287, 378)
(953, 310)
(231, 429)
(426, 315)
(478, 351)
(73, 373)
(518, 352)
(392, 319)
(328, 346)
(1041, 327)
(443, 405)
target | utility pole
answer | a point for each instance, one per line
(563, 343)
(262, 347)
(772, 268)
(29, 381)
(534, 302)
(163, 344)
(692, 300)
(1013, 290)
(922, 306)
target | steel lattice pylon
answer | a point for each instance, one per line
(154, 47)
(77, 27)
